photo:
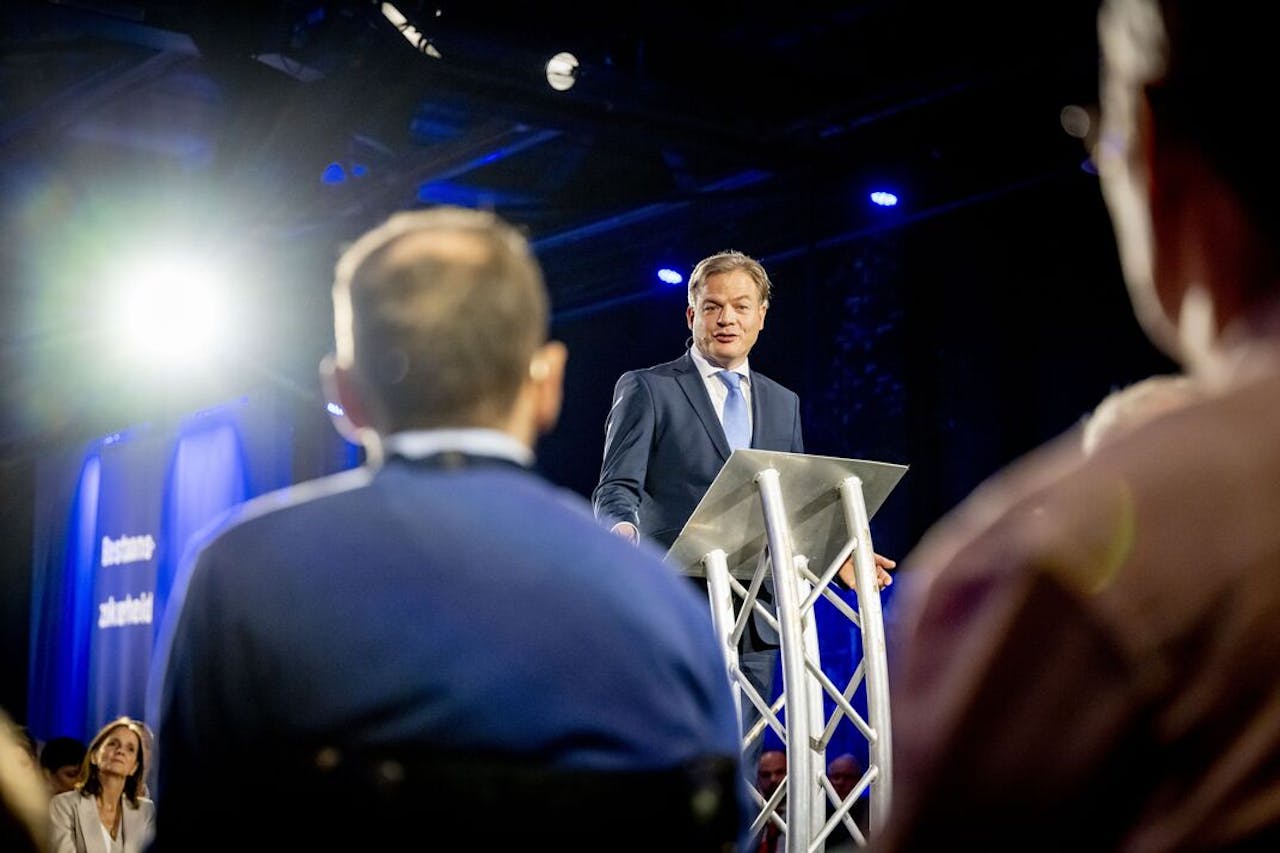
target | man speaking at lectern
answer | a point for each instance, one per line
(672, 427)
(665, 441)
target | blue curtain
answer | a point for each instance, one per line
(66, 520)
(113, 521)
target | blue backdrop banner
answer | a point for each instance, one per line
(113, 521)
(126, 538)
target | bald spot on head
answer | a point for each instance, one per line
(440, 312)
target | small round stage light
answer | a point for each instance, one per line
(562, 71)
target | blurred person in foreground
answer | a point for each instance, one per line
(24, 799)
(441, 635)
(1089, 653)
(1133, 404)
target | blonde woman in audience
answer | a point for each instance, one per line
(106, 812)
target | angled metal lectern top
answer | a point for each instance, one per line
(781, 513)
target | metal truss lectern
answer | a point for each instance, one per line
(781, 513)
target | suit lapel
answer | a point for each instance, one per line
(135, 823)
(695, 390)
(90, 825)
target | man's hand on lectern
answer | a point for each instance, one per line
(627, 531)
(883, 578)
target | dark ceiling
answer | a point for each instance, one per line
(692, 127)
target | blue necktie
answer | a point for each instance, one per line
(737, 426)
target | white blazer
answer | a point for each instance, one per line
(77, 828)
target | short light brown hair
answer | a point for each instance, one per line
(439, 312)
(728, 261)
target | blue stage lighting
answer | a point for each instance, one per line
(448, 192)
(669, 276)
(884, 199)
(334, 174)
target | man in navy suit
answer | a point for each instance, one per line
(665, 441)
(442, 603)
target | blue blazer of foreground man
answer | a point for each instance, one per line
(441, 622)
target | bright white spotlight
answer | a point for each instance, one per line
(562, 71)
(884, 199)
(669, 276)
(169, 312)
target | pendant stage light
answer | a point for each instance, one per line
(562, 71)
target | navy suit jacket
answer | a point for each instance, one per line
(664, 446)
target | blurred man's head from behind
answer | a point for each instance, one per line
(24, 799)
(1185, 159)
(441, 319)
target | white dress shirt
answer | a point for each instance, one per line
(715, 385)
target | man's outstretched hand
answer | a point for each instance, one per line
(846, 575)
(883, 564)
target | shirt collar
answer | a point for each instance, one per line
(418, 444)
(707, 370)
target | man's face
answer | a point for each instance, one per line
(770, 772)
(727, 318)
(843, 774)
